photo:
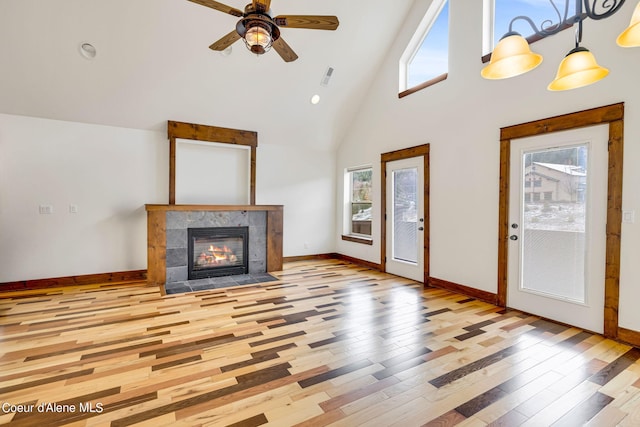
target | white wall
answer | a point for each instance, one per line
(211, 173)
(302, 180)
(110, 174)
(461, 119)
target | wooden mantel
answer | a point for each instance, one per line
(157, 235)
(165, 208)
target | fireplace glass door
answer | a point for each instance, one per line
(217, 251)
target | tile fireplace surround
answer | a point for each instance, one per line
(167, 236)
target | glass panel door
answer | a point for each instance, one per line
(557, 219)
(405, 218)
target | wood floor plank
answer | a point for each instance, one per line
(329, 343)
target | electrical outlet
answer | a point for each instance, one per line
(45, 209)
(629, 216)
(73, 208)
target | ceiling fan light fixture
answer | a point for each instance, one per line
(258, 39)
(259, 31)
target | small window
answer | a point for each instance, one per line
(360, 206)
(426, 58)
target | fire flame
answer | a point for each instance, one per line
(217, 256)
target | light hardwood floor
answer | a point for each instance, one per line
(331, 343)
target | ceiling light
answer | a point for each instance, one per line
(512, 56)
(315, 99)
(88, 51)
(631, 36)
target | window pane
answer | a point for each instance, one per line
(432, 58)
(361, 185)
(553, 239)
(361, 218)
(405, 215)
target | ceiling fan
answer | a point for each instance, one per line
(260, 31)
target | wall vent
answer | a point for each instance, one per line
(327, 77)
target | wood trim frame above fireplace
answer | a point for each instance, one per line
(180, 130)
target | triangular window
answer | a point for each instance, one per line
(426, 58)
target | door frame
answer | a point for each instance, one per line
(614, 116)
(406, 153)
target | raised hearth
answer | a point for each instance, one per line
(168, 238)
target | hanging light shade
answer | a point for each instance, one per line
(631, 36)
(511, 57)
(579, 68)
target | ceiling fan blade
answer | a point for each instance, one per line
(264, 5)
(226, 41)
(284, 50)
(219, 6)
(307, 21)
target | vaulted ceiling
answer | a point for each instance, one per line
(153, 64)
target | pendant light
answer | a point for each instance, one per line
(579, 68)
(631, 36)
(511, 57)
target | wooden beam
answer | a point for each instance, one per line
(157, 248)
(503, 222)
(614, 229)
(172, 171)
(274, 239)
(405, 153)
(576, 120)
(252, 177)
(165, 208)
(211, 134)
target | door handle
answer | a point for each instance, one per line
(513, 237)
(420, 228)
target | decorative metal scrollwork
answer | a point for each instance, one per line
(594, 9)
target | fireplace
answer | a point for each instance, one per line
(217, 251)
